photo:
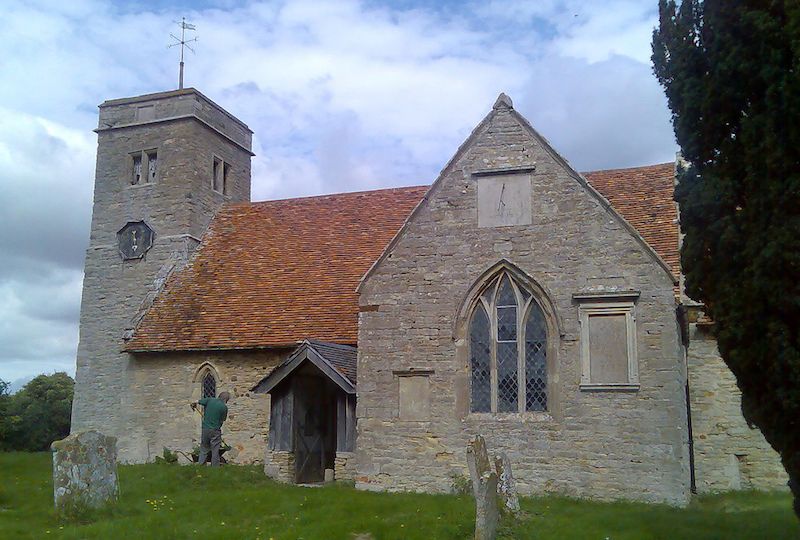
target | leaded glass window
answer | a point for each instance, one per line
(508, 350)
(480, 347)
(209, 388)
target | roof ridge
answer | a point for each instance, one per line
(331, 195)
(663, 164)
(329, 344)
(417, 186)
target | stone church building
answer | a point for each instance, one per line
(374, 333)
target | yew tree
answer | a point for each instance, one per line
(731, 72)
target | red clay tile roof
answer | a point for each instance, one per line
(643, 195)
(270, 274)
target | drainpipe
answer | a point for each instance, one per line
(683, 323)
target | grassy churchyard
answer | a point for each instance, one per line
(171, 501)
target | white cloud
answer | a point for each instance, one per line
(342, 95)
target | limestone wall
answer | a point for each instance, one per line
(728, 454)
(600, 444)
(163, 385)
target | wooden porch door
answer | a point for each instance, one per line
(311, 429)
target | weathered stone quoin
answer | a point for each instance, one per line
(85, 471)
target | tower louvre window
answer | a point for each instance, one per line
(220, 173)
(137, 170)
(144, 167)
(152, 166)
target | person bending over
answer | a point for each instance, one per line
(215, 411)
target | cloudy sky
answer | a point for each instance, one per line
(342, 96)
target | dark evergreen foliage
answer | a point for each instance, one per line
(38, 414)
(731, 71)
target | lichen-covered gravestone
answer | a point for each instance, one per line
(505, 484)
(484, 486)
(84, 471)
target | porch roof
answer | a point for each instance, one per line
(337, 362)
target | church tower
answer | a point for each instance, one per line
(166, 162)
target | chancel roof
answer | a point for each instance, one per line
(643, 196)
(273, 273)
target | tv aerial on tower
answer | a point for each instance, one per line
(184, 43)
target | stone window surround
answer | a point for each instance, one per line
(608, 303)
(555, 335)
(522, 311)
(144, 156)
(200, 373)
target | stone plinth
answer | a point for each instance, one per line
(280, 466)
(85, 471)
(345, 466)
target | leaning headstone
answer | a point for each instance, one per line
(84, 471)
(484, 486)
(505, 484)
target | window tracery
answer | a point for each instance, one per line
(508, 349)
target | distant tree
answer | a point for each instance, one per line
(731, 71)
(4, 398)
(38, 414)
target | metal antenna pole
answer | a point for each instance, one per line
(183, 42)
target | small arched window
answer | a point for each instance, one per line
(208, 386)
(508, 349)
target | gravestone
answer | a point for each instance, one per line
(85, 471)
(505, 484)
(484, 487)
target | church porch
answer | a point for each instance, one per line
(312, 414)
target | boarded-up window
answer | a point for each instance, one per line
(608, 346)
(608, 349)
(414, 397)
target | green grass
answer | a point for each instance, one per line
(240, 503)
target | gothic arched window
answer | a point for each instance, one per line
(508, 350)
(208, 386)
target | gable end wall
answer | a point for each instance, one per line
(599, 444)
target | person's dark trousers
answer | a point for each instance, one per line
(210, 441)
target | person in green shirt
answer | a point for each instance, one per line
(215, 411)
